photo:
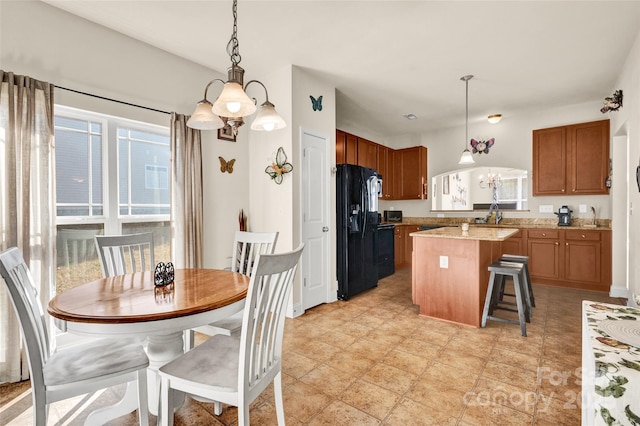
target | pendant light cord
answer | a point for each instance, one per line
(466, 122)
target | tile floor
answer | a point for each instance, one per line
(373, 361)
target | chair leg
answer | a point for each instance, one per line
(488, 300)
(217, 408)
(189, 340)
(243, 413)
(143, 402)
(165, 411)
(519, 302)
(277, 390)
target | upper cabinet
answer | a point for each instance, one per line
(367, 154)
(404, 171)
(410, 177)
(571, 160)
(385, 168)
(346, 148)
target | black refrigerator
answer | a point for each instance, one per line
(357, 191)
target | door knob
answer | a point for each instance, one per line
(325, 229)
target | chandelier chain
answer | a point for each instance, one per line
(233, 47)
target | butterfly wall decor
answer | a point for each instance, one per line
(316, 103)
(226, 166)
(613, 102)
(480, 147)
(278, 168)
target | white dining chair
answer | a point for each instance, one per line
(78, 245)
(123, 254)
(236, 369)
(246, 248)
(82, 369)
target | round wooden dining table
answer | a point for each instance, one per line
(132, 306)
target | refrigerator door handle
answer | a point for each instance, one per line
(366, 202)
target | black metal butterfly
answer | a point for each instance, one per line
(316, 103)
(226, 166)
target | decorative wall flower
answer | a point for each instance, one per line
(613, 102)
(278, 168)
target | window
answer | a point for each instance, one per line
(514, 190)
(112, 177)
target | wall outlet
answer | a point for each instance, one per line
(582, 208)
(545, 208)
(444, 262)
(440, 215)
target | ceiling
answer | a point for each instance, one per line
(389, 58)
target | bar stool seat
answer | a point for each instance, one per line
(499, 271)
(529, 285)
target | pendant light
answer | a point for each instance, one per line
(234, 104)
(466, 157)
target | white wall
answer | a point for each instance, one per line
(625, 127)
(512, 148)
(52, 45)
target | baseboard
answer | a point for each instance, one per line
(621, 292)
(294, 311)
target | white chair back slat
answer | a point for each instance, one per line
(123, 254)
(263, 322)
(247, 246)
(28, 308)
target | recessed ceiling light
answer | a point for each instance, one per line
(410, 116)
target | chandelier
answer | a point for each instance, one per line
(233, 104)
(466, 157)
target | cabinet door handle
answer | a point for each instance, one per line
(556, 243)
(566, 244)
(574, 190)
(562, 189)
(584, 236)
(544, 235)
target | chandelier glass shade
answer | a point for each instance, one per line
(233, 103)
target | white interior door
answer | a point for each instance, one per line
(315, 219)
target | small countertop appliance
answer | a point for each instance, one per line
(564, 216)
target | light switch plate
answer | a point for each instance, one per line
(546, 208)
(583, 208)
(444, 262)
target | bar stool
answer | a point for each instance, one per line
(531, 301)
(499, 271)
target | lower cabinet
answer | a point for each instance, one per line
(570, 258)
(404, 244)
(514, 245)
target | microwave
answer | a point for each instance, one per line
(394, 216)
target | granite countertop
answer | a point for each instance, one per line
(485, 233)
(522, 223)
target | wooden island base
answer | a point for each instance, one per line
(449, 272)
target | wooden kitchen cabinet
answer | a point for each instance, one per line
(574, 258)
(346, 148)
(367, 153)
(543, 248)
(514, 245)
(398, 247)
(410, 173)
(571, 160)
(408, 243)
(385, 168)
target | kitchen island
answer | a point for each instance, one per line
(449, 272)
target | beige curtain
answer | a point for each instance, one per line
(27, 200)
(186, 193)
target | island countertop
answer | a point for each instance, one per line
(474, 233)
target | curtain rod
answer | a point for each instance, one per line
(112, 100)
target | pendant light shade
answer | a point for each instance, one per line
(268, 119)
(203, 118)
(466, 157)
(233, 102)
